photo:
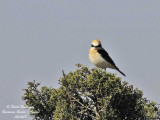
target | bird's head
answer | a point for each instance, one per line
(96, 44)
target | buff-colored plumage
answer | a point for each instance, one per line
(96, 42)
(100, 58)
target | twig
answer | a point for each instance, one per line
(68, 93)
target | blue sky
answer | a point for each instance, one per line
(40, 38)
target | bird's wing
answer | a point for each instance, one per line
(106, 56)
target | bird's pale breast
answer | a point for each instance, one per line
(98, 60)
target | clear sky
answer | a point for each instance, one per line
(39, 38)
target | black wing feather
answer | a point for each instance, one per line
(106, 56)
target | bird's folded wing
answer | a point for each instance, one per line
(106, 56)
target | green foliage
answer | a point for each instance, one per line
(88, 94)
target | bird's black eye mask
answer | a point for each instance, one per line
(96, 46)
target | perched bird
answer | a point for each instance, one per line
(100, 58)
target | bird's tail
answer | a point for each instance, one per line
(120, 71)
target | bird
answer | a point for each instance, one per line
(100, 58)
